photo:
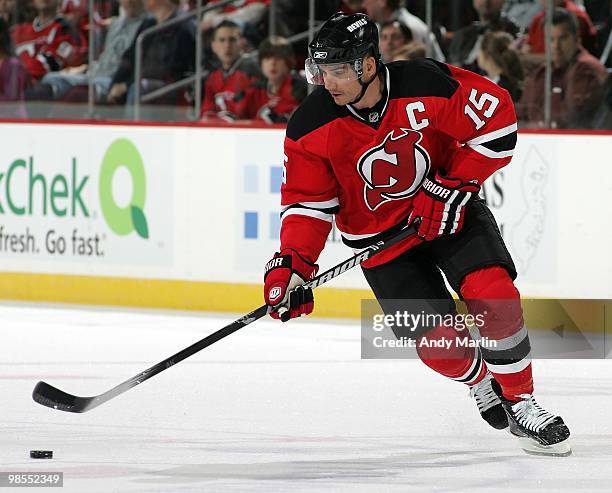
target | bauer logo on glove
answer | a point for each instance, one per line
(284, 276)
(275, 293)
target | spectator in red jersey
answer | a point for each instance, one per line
(535, 45)
(75, 12)
(393, 35)
(120, 35)
(225, 87)
(273, 100)
(167, 56)
(578, 80)
(501, 63)
(47, 44)
(12, 78)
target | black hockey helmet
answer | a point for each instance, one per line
(343, 38)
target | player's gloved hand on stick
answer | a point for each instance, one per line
(283, 279)
(440, 203)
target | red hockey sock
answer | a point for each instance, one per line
(490, 292)
(439, 350)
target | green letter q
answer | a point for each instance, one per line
(124, 220)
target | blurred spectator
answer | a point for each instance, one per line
(393, 34)
(167, 55)
(410, 51)
(501, 63)
(241, 13)
(47, 44)
(522, 12)
(382, 11)
(121, 33)
(185, 5)
(465, 45)
(248, 14)
(25, 11)
(600, 12)
(535, 38)
(12, 77)
(225, 87)
(453, 14)
(274, 99)
(75, 12)
(7, 11)
(108, 8)
(578, 80)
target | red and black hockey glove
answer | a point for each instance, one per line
(283, 279)
(440, 203)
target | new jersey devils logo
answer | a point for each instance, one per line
(394, 169)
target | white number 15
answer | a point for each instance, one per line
(479, 104)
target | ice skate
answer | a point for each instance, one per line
(489, 404)
(539, 431)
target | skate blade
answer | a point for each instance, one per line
(530, 446)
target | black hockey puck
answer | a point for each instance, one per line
(41, 454)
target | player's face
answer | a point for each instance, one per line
(564, 45)
(274, 68)
(341, 82)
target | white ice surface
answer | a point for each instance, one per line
(273, 407)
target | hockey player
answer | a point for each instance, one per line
(380, 146)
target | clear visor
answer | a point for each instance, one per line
(317, 73)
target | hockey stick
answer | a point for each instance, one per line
(52, 397)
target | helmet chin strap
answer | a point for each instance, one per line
(364, 86)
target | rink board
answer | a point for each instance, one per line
(185, 217)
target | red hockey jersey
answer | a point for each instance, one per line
(275, 108)
(45, 48)
(365, 166)
(225, 90)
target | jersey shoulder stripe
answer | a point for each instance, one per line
(504, 143)
(317, 110)
(421, 78)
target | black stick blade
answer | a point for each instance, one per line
(49, 396)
